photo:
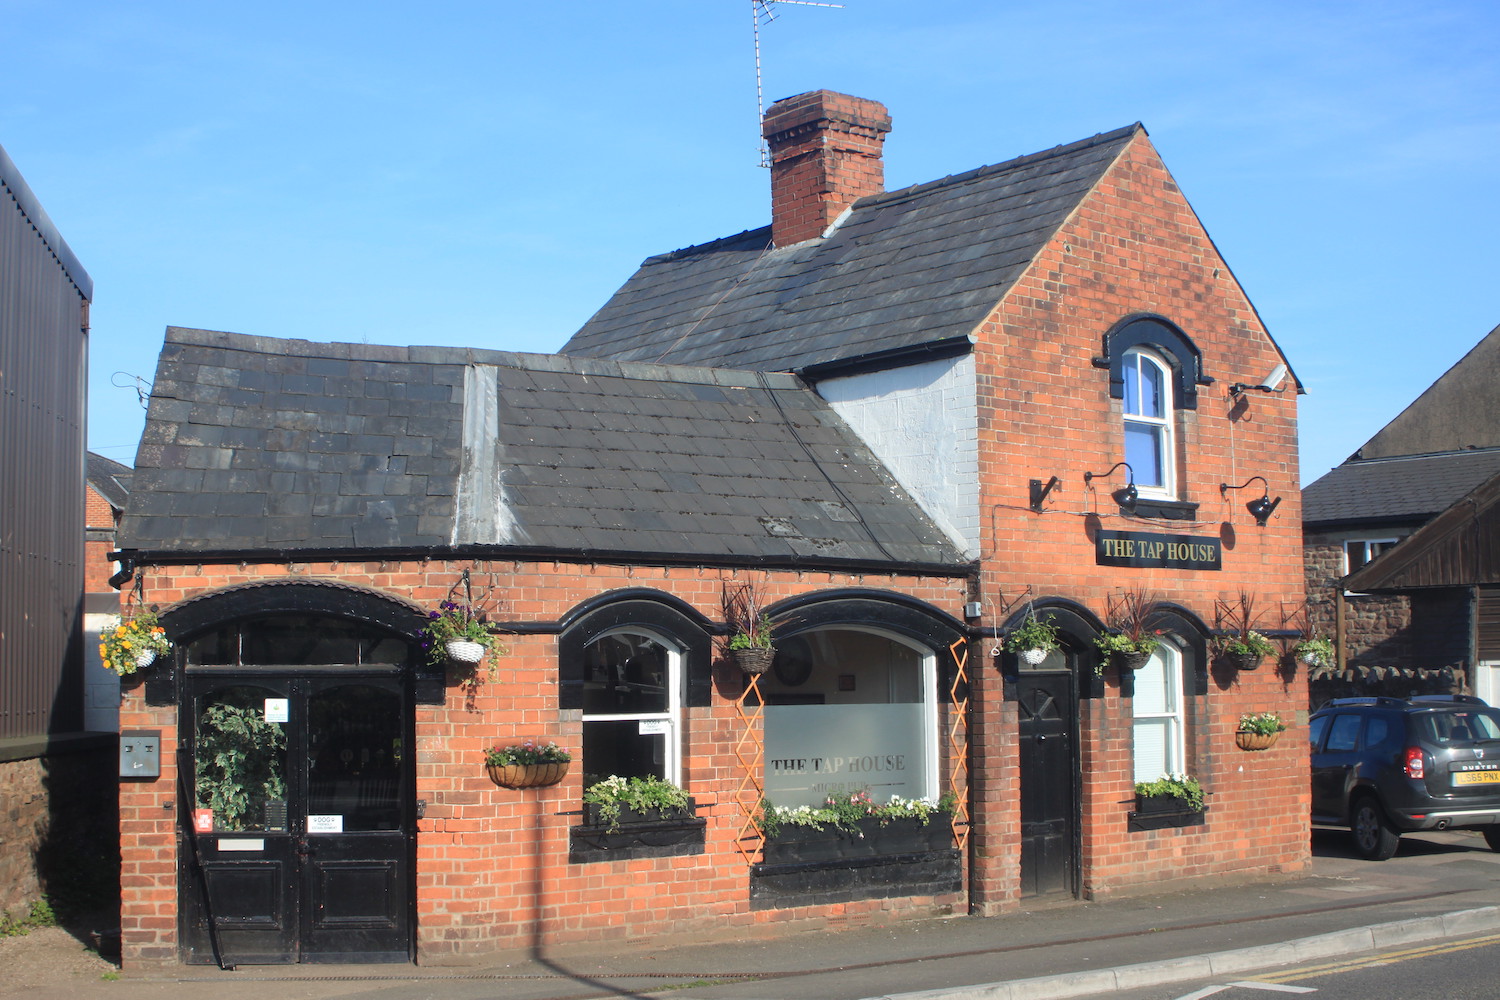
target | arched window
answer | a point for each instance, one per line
(1149, 415)
(632, 706)
(1159, 710)
(850, 708)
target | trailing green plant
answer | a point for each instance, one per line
(749, 625)
(240, 763)
(844, 811)
(456, 622)
(121, 644)
(525, 752)
(1251, 643)
(1117, 642)
(1317, 651)
(1264, 723)
(1177, 786)
(640, 794)
(1033, 633)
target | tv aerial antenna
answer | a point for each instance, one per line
(764, 12)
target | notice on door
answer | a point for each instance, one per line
(325, 824)
(277, 710)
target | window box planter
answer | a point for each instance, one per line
(648, 833)
(802, 844)
(1156, 805)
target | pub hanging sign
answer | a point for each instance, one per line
(1144, 550)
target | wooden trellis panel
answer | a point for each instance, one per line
(958, 740)
(750, 750)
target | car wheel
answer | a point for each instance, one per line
(1492, 837)
(1374, 840)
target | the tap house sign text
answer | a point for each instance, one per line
(1148, 551)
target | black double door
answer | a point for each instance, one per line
(298, 832)
(1047, 711)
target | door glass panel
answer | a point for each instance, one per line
(301, 639)
(240, 760)
(354, 757)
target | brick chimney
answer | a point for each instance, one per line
(825, 155)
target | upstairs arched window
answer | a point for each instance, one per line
(1150, 444)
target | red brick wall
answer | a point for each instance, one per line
(97, 569)
(1135, 246)
(492, 868)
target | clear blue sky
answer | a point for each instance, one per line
(488, 173)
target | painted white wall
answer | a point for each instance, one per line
(922, 421)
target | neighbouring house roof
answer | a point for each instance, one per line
(1455, 413)
(1409, 488)
(110, 478)
(1458, 548)
(257, 445)
(908, 270)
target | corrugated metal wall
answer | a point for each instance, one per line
(43, 361)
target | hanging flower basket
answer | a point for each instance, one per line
(1131, 661)
(754, 659)
(145, 658)
(527, 765)
(1244, 661)
(1255, 741)
(133, 644)
(1033, 656)
(528, 775)
(464, 651)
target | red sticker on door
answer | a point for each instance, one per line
(203, 820)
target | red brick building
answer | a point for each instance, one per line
(911, 420)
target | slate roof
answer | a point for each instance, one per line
(1405, 488)
(256, 445)
(109, 477)
(909, 268)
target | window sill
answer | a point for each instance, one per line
(1165, 510)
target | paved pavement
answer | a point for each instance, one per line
(1439, 885)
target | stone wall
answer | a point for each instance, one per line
(51, 843)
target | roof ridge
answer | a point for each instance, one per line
(1098, 139)
(743, 235)
(1452, 452)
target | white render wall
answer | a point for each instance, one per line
(923, 423)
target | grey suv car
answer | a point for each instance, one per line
(1382, 766)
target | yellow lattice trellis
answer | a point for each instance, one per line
(750, 751)
(958, 740)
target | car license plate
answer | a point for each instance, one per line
(1476, 778)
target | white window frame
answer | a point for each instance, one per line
(1169, 654)
(671, 718)
(1365, 543)
(1163, 427)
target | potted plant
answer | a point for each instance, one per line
(1129, 642)
(133, 644)
(1315, 651)
(1033, 639)
(1240, 644)
(749, 630)
(530, 764)
(648, 799)
(1258, 730)
(1246, 650)
(457, 633)
(1169, 793)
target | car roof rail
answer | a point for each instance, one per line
(1467, 699)
(1381, 701)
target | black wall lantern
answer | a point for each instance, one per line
(1262, 507)
(1126, 495)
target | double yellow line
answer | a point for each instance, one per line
(1381, 958)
